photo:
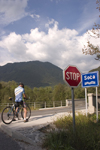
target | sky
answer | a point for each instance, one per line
(52, 31)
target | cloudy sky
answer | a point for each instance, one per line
(47, 30)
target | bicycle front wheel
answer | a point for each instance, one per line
(28, 112)
(7, 115)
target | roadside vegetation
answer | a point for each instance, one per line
(85, 137)
(43, 94)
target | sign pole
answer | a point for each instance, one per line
(72, 76)
(73, 108)
(96, 104)
(86, 100)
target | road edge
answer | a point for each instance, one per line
(15, 134)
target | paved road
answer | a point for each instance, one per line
(55, 110)
(52, 110)
(7, 143)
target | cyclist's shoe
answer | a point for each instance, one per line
(14, 119)
(26, 120)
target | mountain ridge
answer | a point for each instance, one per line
(32, 73)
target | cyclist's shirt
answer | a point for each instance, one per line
(19, 91)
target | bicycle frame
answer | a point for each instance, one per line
(10, 110)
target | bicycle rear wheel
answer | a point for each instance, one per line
(28, 114)
(7, 115)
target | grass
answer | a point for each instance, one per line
(85, 137)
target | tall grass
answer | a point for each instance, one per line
(85, 137)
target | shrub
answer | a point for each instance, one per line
(85, 137)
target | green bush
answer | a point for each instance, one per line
(85, 137)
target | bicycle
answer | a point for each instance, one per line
(9, 113)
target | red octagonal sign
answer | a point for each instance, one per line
(72, 76)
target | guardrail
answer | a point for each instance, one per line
(52, 104)
(38, 105)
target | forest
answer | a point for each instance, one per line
(43, 94)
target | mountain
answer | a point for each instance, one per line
(32, 73)
(96, 69)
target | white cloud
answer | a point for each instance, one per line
(35, 16)
(60, 47)
(50, 22)
(14, 44)
(12, 10)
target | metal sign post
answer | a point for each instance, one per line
(73, 109)
(96, 104)
(86, 100)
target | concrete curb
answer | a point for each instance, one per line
(52, 108)
(15, 134)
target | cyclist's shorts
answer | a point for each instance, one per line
(17, 104)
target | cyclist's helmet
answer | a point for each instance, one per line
(21, 84)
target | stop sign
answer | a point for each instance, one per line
(72, 76)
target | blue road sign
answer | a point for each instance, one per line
(90, 79)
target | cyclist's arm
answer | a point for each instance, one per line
(24, 95)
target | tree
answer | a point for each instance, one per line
(95, 32)
(59, 92)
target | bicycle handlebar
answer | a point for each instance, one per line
(25, 98)
(10, 98)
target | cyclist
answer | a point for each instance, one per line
(19, 94)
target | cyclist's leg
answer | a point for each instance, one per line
(28, 112)
(16, 108)
(24, 108)
(25, 111)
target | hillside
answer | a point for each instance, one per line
(32, 73)
(96, 69)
